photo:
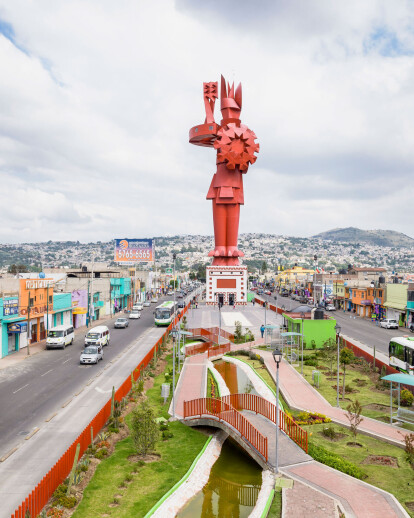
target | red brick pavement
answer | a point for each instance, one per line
(192, 380)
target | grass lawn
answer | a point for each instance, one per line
(375, 403)
(275, 510)
(148, 483)
(397, 480)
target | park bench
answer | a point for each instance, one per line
(405, 415)
(292, 357)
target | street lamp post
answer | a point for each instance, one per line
(174, 340)
(302, 316)
(219, 308)
(277, 356)
(337, 330)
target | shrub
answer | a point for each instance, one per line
(144, 428)
(100, 454)
(311, 363)
(329, 432)
(324, 456)
(348, 389)
(406, 398)
(53, 512)
(305, 418)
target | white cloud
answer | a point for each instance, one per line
(97, 98)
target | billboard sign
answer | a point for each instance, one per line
(17, 328)
(131, 251)
(10, 307)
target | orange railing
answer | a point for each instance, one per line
(202, 347)
(222, 411)
(212, 333)
(217, 351)
(267, 409)
(41, 494)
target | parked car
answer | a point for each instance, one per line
(121, 322)
(411, 328)
(138, 305)
(268, 292)
(181, 304)
(389, 323)
(91, 354)
(154, 299)
(135, 314)
(330, 307)
(146, 304)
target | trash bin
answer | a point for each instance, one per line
(316, 375)
(165, 391)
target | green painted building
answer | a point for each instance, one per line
(317, 331)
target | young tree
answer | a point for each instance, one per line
(238, 332)
(354, 416)
(346, 357)
(144, 429)
(329, 353)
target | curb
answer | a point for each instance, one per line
(180, 482)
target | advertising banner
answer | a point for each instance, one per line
(10, 307)
(131, 251)
(17, 328)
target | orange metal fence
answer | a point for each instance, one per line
(222, 411)
(267, 409)
(41, 494)
(190, 350)
(216, 351)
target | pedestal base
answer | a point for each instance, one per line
(226, 284)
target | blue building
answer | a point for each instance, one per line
(12, 326)
(120, 291)
(62, 310)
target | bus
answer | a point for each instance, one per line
(401, 353)
(164, 313)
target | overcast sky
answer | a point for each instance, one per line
(97, 97)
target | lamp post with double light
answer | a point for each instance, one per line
(302, 316)
(338, 331)
(277, 356)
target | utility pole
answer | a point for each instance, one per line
(47, 309)
(93, 264)
(28, 325)
(87, 314)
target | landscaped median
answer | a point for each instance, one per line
(128, 485)
(376, 462)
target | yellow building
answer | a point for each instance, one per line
(293, 277)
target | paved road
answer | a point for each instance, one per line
(359, 328)
(34, 389)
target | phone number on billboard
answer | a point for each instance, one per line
(134, 254)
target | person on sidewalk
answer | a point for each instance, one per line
(262, 330)
(253, 302)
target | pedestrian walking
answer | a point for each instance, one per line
(262, 330)
(253, 301)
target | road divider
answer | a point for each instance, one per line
(35, 430)
(10, 452)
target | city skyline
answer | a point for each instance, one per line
(96, 109)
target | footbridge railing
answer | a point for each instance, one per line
(222, 411)
(267, 409)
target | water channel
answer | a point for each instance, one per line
(232, 488)
(235, 478)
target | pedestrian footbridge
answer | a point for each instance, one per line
(251, 421)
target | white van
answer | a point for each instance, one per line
(98, 336)
(60, 336)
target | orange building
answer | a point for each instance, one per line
(36, 304)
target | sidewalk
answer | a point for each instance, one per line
(192, 382)
(300, 395)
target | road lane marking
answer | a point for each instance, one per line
(77, 393)
(35, 430)
(50, 417)
(21, 388)
(47, 372)
(67, 402)
(68, 360)
(7, 455)
(103, 391)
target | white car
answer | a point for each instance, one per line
(389, 323)
(330, 307)
(135, 314)
(154, 299)
(138, 305)
(91, 354)
(146, 304)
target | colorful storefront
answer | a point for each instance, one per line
(36, 304)
(62, 310)
(12, 326)
(120, 291)
(79, 307)
(396, 302)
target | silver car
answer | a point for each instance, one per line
(121, 322)
(91, 354)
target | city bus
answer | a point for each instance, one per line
(164, 313)
(401, 353)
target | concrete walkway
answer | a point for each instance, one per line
(192, 382)
(300, 395)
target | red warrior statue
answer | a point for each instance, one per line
(236, 148)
